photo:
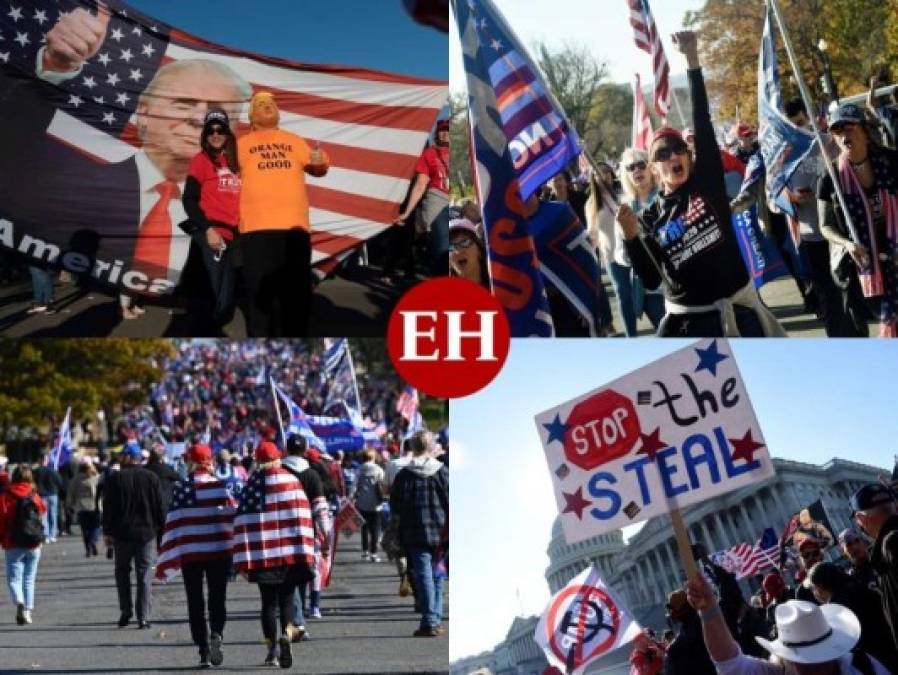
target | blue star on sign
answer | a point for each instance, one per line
(709, 358)
(556, 430)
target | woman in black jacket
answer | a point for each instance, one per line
(686, 241)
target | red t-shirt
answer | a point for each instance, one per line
(434, 162)
(219, 190)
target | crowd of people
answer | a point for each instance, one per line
(148, 513)
(661, 224)
(839, 617)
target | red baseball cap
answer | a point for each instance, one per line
(267, 452)
(199, 454)
(667, 132)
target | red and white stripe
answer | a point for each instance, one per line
(645, 33)
(202, 531)
(407, 405)
(373, 125)
(748, 559)
(642, 123)
(280, 533)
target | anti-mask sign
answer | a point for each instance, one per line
(670, 434)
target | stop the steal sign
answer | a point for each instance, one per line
(673, 433)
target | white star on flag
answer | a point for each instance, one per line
(122, 99)
(135, 75)
(100, 100)
(15, 13)
(104, 59)
(75, 100)
(148, 50)
(22, 39)
(495, 44)
(40, 16)
(109, 118)
(117, 34)
(89, 82)
(136, 31)
(126, 55)
(112, 79)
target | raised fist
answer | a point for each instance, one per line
(685, 41)
(74, 39)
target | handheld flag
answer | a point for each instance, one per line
(642, 123)
(645, 33)
(62, 449)
(584, 621)
(299, 421)
(784, 146)
(520, 140)
(746, 560)
(340, 374)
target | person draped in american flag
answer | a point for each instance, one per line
(198, 539)
(297, 462)
(274, 546)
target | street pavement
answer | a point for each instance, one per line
(366, 627)
(357, 303)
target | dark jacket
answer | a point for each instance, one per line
(865, 575)
(876, 639)
(168, 477)
(420, 497)
(687, 654)
(328, 488)
(690, 231)
(884, 558)
(48, 481)
(133, 505)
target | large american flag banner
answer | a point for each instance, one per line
(199, 525)
(645, 33)
(372, 124)
(273, 526)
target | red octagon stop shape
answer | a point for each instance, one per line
(600, 429)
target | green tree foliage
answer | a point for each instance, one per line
(41, 378)
(460, 179)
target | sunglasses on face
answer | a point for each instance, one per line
(217, 131)
(637, 165)
(842, 127)
(665, 153)
(460, 244)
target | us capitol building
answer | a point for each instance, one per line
(645, 569)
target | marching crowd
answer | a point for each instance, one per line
(662, 229)
(840, 617)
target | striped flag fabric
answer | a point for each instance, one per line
(298, 423)
(339, 373)
(273, 526)
(647, 38)
(407, 403)
(372, 124)
(199, 524)
(642, 122)
(746, 560)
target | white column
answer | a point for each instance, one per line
(749, 525)
(709, 543)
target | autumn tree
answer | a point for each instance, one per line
(41, 378)
(460, 180)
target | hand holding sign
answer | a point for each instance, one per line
(75, 38)
(316, 157)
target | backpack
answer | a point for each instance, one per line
(28, 527)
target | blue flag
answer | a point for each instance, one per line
(340, 375)
(62, 449)
(520, 139)
(298, 424)
(337, 433)
(761, 256)
(567, 259)
(783, 145)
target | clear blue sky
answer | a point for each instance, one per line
(379, 35)
(815, 400)
(603, 27)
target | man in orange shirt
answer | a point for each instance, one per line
(274, 222)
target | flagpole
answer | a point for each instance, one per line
(355, 386)
(806, 98)
(60, 440)
(673, 91)
(277, 409)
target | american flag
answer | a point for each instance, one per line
(372, 124)
(746, 560)
(199, 525)
(645, 33)
(273, 526)
(642, 123)
(407, 404)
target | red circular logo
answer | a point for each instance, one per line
(599, 429)
(584, 619)
(448, 337)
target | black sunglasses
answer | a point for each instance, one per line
(460, 244)
(839, 127)
(221, 131)
(665, 153)
(639, 164)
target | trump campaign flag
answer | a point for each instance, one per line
(340, 375)
(762, 257)
(62, 449)
(520, 139)
(95, 153)
(670, 434)
(298, 421)
(199, 525)
(582, 622)
(784, 146)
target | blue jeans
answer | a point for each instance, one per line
(41, 284)
(626, 290)
(51, 517)
(21, 571)
(430, 589)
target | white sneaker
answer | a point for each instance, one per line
(316, 613)
(26, 616)
(52, 540)
(366, 555)
(374, 558)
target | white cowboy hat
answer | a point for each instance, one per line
(811, 634)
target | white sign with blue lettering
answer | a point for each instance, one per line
(670, 434)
